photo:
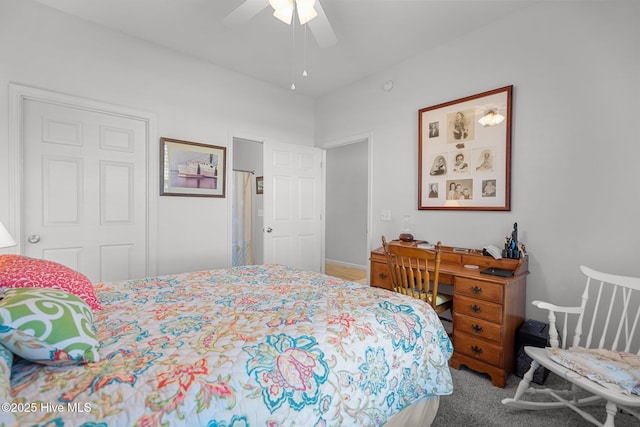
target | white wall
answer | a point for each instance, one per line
(576, 146)
(346, 205)
(192, 100)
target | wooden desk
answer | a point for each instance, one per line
(487, 310)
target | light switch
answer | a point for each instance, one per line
(260, 212)
(385, 215)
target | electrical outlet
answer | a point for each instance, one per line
(385, 215)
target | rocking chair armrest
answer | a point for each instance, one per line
(556, 308)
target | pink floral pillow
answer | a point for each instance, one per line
(21, 272)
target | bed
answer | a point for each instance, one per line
(247, 346)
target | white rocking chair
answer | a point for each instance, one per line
(613, 326)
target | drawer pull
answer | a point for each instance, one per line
(476, 289)
(476, 350)
(475, 308)
(382, 276)
(477, 328)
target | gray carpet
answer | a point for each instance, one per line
(475, 402)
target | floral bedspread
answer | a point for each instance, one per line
(248, 346)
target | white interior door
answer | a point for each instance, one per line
(293, 205)
(84, 189)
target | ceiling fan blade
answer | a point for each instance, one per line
(321, 28)
(245, 11)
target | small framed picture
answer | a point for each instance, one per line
(191, 169)
(259, 185)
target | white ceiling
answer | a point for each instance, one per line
(373, 35)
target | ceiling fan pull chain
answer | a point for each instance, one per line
(293, 49)
(304, 70)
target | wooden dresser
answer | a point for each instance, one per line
(487, 310)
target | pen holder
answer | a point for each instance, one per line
(511, 253)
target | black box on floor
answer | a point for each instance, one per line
(535, 334)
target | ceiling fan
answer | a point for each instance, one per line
(317, 20)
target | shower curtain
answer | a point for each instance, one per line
(242, 249)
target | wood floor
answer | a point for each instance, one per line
(347, 273)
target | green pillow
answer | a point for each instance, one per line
(47, 326)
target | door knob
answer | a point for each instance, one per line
(269, 229)
(34, 238)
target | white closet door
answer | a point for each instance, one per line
(85, 190)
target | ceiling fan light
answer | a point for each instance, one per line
(277, 4)
(306, 11)
(284, 15)
(283, 10)
(305, 3)
(306, 15)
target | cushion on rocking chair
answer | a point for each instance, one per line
(615, 370)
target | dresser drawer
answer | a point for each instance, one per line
(380, 276)
(479, 289)
(478, 349)
(477, 308)
(477, 327)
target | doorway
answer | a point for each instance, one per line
(287, 219)
(347, 210)
(248, 204)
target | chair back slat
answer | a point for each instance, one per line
(409, 268)
(585, 297)
(626, 293)
(613, 313)
(605, 328)
(410, 274)
(632, 333)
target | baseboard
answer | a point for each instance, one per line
(346, 264)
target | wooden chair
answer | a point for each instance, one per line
(608, 315)
(410, 276)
